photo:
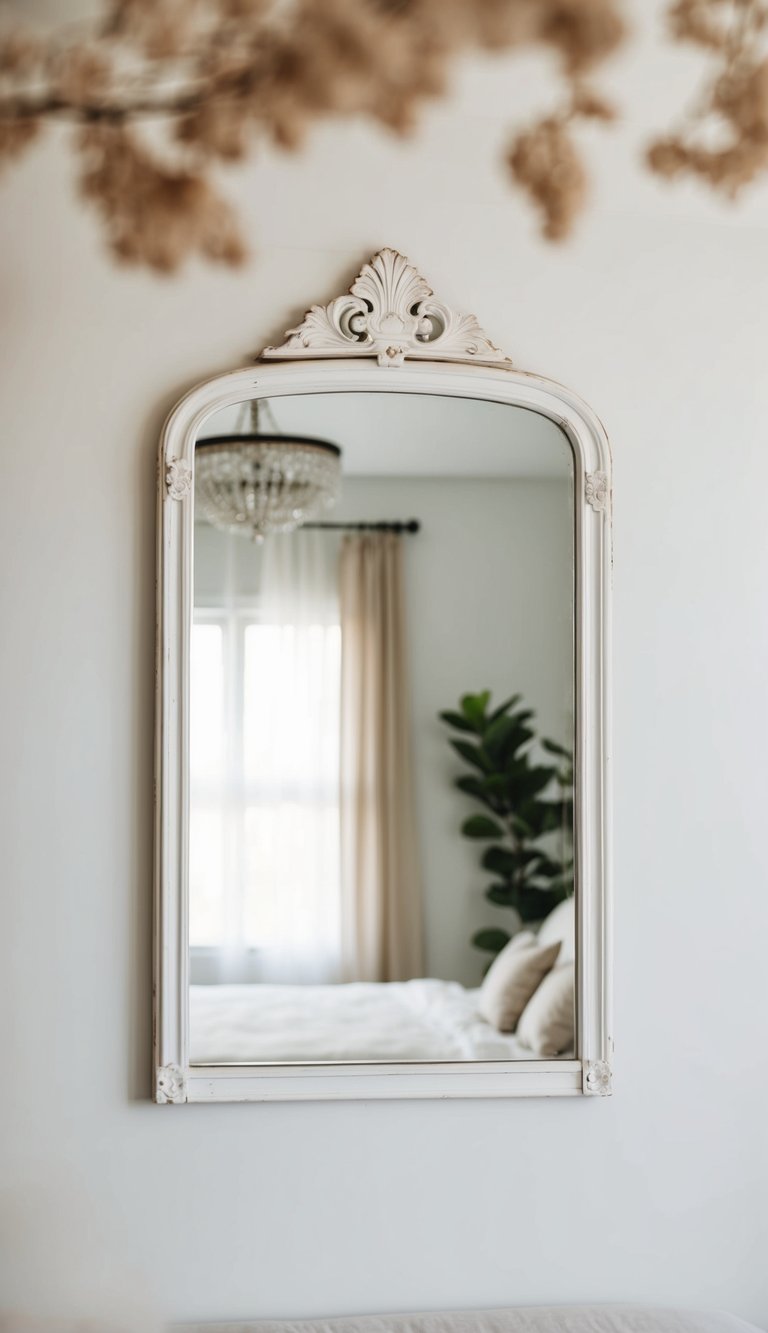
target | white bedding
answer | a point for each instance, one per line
(410, 1020)
(532, 1319)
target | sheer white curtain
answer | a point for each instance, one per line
(265, 721)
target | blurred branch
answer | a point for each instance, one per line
(158, 93)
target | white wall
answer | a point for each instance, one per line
(658, 314)
(489, 606)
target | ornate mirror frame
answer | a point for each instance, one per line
(388, 334)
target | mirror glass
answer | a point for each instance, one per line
(381, 733)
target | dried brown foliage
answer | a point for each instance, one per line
(153, 215)
(16, 136)
(544, 160)
(214, 78)
(219, 76)
(724, 138)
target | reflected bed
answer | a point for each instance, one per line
(425, 1019)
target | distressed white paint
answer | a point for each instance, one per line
(175, 1081)
(390, 312)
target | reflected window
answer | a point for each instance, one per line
(264, 853)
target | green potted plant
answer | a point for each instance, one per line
(527, 799)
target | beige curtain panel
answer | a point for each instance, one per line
(381, 891)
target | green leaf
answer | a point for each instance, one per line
(472, 754)
(517, 763)
(457, 721)
(532, 782)
(534, 904)
(505, 737)
(502, 895)
(480, 826)
(547, 816)
(552, 747)
(491, 941)
(478, 788)
(500, 861)
(541, 816)
(473, 707)
(524, 716)
(561, 887)
(503, 708)
(521, 827)
(530, 857)
(520, 737)
(548, 868)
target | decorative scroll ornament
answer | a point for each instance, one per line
(178, 479)
(597, 492)
(171, 1085)
(597, 1078)
(390, 313)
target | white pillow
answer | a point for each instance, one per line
(522, 940)
(561, 925)
(511, 980)
(548, 1022)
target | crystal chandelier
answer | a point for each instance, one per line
(264, 482)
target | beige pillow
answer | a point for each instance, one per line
(511, 980)
(547, 1024)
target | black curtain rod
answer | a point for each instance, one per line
(396, 525)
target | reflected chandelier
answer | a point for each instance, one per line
(264, 482)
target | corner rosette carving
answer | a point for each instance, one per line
(389, 312)
(597, 491)
(178, 478)
(171, 1085)
(598, 1080)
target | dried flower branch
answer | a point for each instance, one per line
(218, 76)
(165, 91)
(153, 215)
(724, 138)
(545, 162)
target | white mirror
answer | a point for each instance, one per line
(382, 797)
